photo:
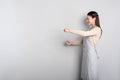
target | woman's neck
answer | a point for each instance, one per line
(93, 25)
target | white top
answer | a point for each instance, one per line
(94, 34)
(96, 31)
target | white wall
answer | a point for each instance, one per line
(32, 39)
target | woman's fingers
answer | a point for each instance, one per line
(68, 42)
(66, 30)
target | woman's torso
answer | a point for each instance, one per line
(94, 39)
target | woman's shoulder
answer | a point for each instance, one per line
(97, 28)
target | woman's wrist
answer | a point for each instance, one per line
(70, 30)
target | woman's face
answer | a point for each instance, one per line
(90, 20)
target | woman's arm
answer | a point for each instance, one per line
(91, 32)
(77, 42)
(69, 42)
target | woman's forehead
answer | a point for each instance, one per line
(89, 17)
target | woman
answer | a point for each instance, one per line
(89, 41)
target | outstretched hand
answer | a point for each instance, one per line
(66, 30)
(68, 42)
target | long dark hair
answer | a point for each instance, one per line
(94, 14)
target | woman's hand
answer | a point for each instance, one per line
(66, 30)
(69, 42)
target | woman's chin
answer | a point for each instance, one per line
(89, 24)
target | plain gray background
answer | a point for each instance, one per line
(32, 39)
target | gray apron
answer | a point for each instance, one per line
(89, 69)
